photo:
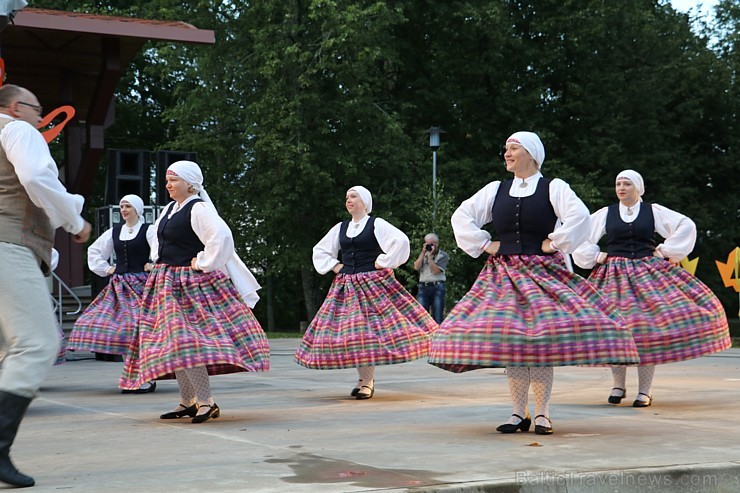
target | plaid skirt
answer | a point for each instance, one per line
(367, 319)
(108, 325)
(672, 314)
(530, 310)
(191, 319)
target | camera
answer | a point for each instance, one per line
(429, 247)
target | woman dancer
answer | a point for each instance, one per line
(108, 325)
(195, 318)
(672, 314)
(526, 311)
(368, 318)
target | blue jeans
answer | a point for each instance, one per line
(433, 297)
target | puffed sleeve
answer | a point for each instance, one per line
(154, 243)
(393, 242)
(151, 236)
(587, 253)
(678, 230)
(471, 216)
(99, 252)
(574, 219)
(37, 172)
(326, 251)
(215, 235)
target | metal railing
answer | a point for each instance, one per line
(61, 289)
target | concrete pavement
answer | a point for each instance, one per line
(297, 430)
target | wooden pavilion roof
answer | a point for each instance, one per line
(77, 59)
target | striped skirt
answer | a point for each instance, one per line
(191, 319)
(367, 319)
(108, 325)
(672, 314)
(529, 310)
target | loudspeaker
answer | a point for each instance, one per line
(164, 159)
(128, 173)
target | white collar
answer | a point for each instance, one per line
(634, 208)
(529, 180)
(361, 221)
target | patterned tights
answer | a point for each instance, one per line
(541, 379)
(366, 376)
(194, 386)
(645, 374)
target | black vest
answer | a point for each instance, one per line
(178, 243)
(523, 223)
(631, 240)
(358, 254)
(131, 255)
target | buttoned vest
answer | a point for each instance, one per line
(358, 254)
(131, 255)
(178, 243)
(631, 240)
(523, 223)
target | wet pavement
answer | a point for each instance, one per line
(297, 430)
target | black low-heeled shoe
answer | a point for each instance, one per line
(639, 403)
(142, 390)
(214, 412)
(523, 425)
(356, 390)
(540, 429)
(360, 396)
(186, 411)
(613, 399)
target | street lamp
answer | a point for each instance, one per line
(434, 144)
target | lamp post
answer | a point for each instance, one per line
(434, 144)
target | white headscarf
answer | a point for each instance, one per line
(136, 203)
(244, 282)
(531, 142)
(191, 173)
(365, 195)
(635, 178)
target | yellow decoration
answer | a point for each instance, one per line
(690, 265)
(732, 266)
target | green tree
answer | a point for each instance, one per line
(299, 100)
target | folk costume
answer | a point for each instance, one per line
(527, 311)
(33, 204)
(368, 318)
(196, 318)
(673, 316)
(108, 325)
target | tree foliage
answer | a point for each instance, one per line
(301, 99)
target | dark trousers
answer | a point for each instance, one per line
(432, 298)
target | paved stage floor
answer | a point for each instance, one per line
(297, 430)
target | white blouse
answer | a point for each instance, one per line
(210, 229)
(99, 253)
(218, 252)
(678, 230)
(393, 242)
(570, 231)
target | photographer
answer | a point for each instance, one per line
(431, 265)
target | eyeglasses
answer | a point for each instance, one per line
(39, 109)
